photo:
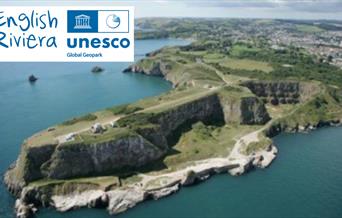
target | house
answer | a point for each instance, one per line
(97, 128)
(113, 124)
(70, 137)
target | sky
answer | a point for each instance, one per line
(284, 9)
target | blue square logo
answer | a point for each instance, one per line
(82, 21)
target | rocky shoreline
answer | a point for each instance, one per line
(49, 162)
(123, 198)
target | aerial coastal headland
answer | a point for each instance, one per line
(234, 89)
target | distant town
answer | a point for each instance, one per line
(320, 38)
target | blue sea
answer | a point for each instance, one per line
(304, 181)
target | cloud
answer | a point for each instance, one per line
(314, 6)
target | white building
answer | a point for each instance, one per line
(97, 128)
(113, 124)
(70, 137)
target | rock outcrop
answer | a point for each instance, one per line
(100, 158)
(282, 92)
(32, 79)
(27, 166)
(68, 196)
(146, 144)
(97, 69)
(153, 69)
(66, 161)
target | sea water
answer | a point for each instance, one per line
(63, 91)
(304, 181)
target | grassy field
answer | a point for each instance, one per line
(323, 107)
(308, 28)
(51, 134)
(101, 181)
(172, 101)
(240, 50)
(203, 142)
(110, 134)
(246, 64)
(252, 147)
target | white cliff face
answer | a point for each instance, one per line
(73, 200)
(120, 199)
(265, 157)
(94, 159)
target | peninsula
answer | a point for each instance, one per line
(233, 90)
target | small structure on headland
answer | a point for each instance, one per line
(70, 137)
(97, 69)
(113, 124)
(32, 78)
(97, 128)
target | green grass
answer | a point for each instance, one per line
(169, 105)
(124, 109)
(321, 108)
(246, 64)
(308, 28)
(160, 181)
(87, 117)
(109, 134)
(131, 180)
(172, 95)
(77, 185)
(146, 63)
(241, 50)
(203, 142)
(100, 180)
(253, 147)
(213, 57)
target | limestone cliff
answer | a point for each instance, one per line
(147, 140)
(155, 68)
(95, 159)
(282, 92)
(77, 160)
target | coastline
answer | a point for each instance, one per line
(121, 199)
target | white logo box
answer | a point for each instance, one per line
(63, 53)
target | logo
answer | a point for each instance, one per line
(99, 21)
(113, 21)
(82, 22)
(67, 33)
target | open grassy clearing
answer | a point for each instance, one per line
(322, 107)
(102, 181)
(173, 95)
(253, 147)
(308, 28)
(213, 57)
(203, 142)
(166, 105)
(246, 64)
(199, 72)
(161, 181)
(49, 135)
(279, 110)
(237, 63)
(110, 134)
(240, 50)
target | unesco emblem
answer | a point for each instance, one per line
(113, 21)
